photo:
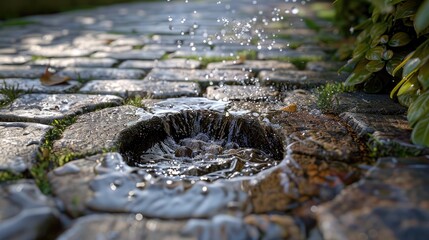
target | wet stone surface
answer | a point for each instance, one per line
(389, 203)
(175, 105)
(35, 86)
(299, 79)
(255, 93)
(169, 63)
(44, 108)
(133, 54)
(255, 66)
(97, 131)
(75, 62)
(126, 88)
(19, 144)
(16, 71)
(25, 213)
(102, 73)
(359, 102)
(204, 77)
(266, 164)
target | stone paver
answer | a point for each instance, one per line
(389, 203)
(75, 62)
(126, 88)
(19, 144)
(35, 86)
(204, 77)
(25, 212)
(14, 59)
(168, 63)
(102, 73)
(16, 71)
(255, 93)
(44, 108)
(254, 66)
(299, 79)
(97, 131)
(132, 54)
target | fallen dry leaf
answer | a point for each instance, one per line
(290, 108)
(50, 79)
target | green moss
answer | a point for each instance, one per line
(10, 176)
(379, 149)
(36, 57)
(240, 55)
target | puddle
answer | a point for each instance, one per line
(201, 145)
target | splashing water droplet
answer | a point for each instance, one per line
(295, 10)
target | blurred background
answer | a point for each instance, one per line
(19, 8)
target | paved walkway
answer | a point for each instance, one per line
(198, 119)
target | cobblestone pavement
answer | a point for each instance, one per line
(198, 120)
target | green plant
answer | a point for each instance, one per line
(326, 95)
(392, 51)
(10, 93)
(135, 101)
(9, 176)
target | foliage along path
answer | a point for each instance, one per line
(184, 120)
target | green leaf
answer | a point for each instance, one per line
(407, 98)
(399, 85)
(399, 39)
(420, 134)
(401, 65)
(410, 86)
(375, 53)
(387, 55)
(377, 30)
(375, 66)
(406, 9)
(411, 66)
(421, 21)
(359, 75)
(423, 76)
(360, 50)
(419, 109)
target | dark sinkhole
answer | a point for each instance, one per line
(201, 145)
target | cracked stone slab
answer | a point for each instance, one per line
(301, 79)
(15, 71)
(168, 63)
(25, 213)
(35, 86)
(252, 65)
(20, 143)
(75, 62)
(102, 73)
(200, 76)
(154, 89)
(391, 202)
(390, 132)
(250, 92)
(292, 55)
(360, 102)
(96, 131)
(129, 55)
(14, 59)
(44, 108)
